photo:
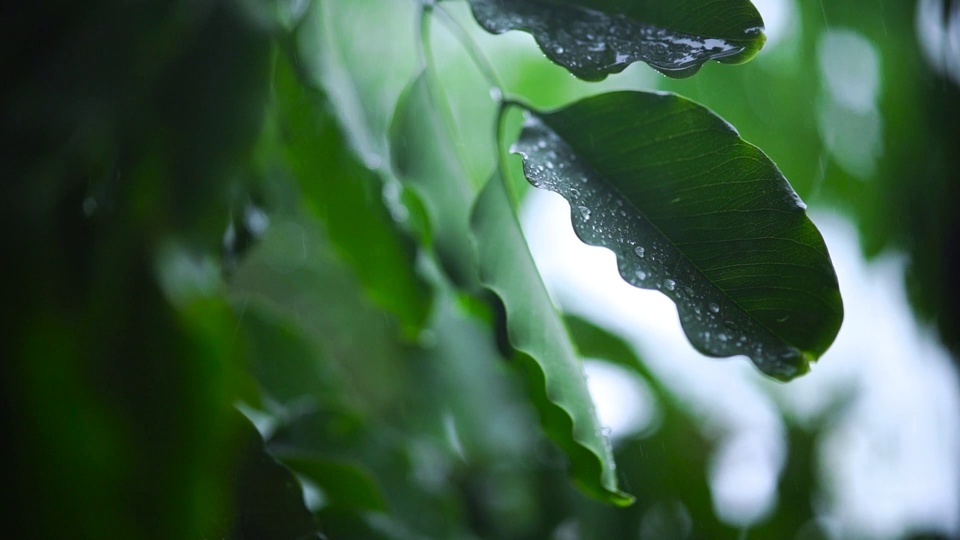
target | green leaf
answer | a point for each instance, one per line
(594, 38)
(287, 365)
(347, 197)
(424, 160)
(691, 209)
(347, 486)
(536, 332)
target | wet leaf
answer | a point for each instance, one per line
(536, 332)
(593, 39)
(692, 210)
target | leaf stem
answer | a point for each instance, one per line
(502, 152)
(434, 89)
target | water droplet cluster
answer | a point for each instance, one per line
(647, 259)
(592, 44)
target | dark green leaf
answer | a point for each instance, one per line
(269, 500)
(593, 39)
(536, 332)
(347, 197)
(691, 209)
(347, 486)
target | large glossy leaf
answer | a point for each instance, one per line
(691, 209)
(594, 38)
(347, 197)
(536, 332)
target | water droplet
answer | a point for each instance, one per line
(372, 160)
(639, 250)
(641, 274)
(542, 143)
(559, 50)
(669, 284)
(256, 220)
(585, 212)
(714, 308)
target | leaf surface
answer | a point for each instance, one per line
(536, 332)
(594, 38)
(691, 209)
(347, 197)
(425, 161)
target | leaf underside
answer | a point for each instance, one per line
(596, 39)
(692, 210)
(536, 332)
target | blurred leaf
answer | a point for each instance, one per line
(593, 39)
(691, 209)
(796, 514)
(362, 76)
(269, 499)
(668, 466)
(285, 362)
(345, 485)
(424, 160)
(347, 197)
(544, 350)
(123, 130)
(293, 276)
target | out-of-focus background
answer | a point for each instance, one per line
(168, 259)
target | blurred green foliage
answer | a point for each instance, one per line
(200, 212)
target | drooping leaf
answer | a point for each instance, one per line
(594, 38)
(536, 332)
(424, 160)
(347, 197)
(691, 209)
